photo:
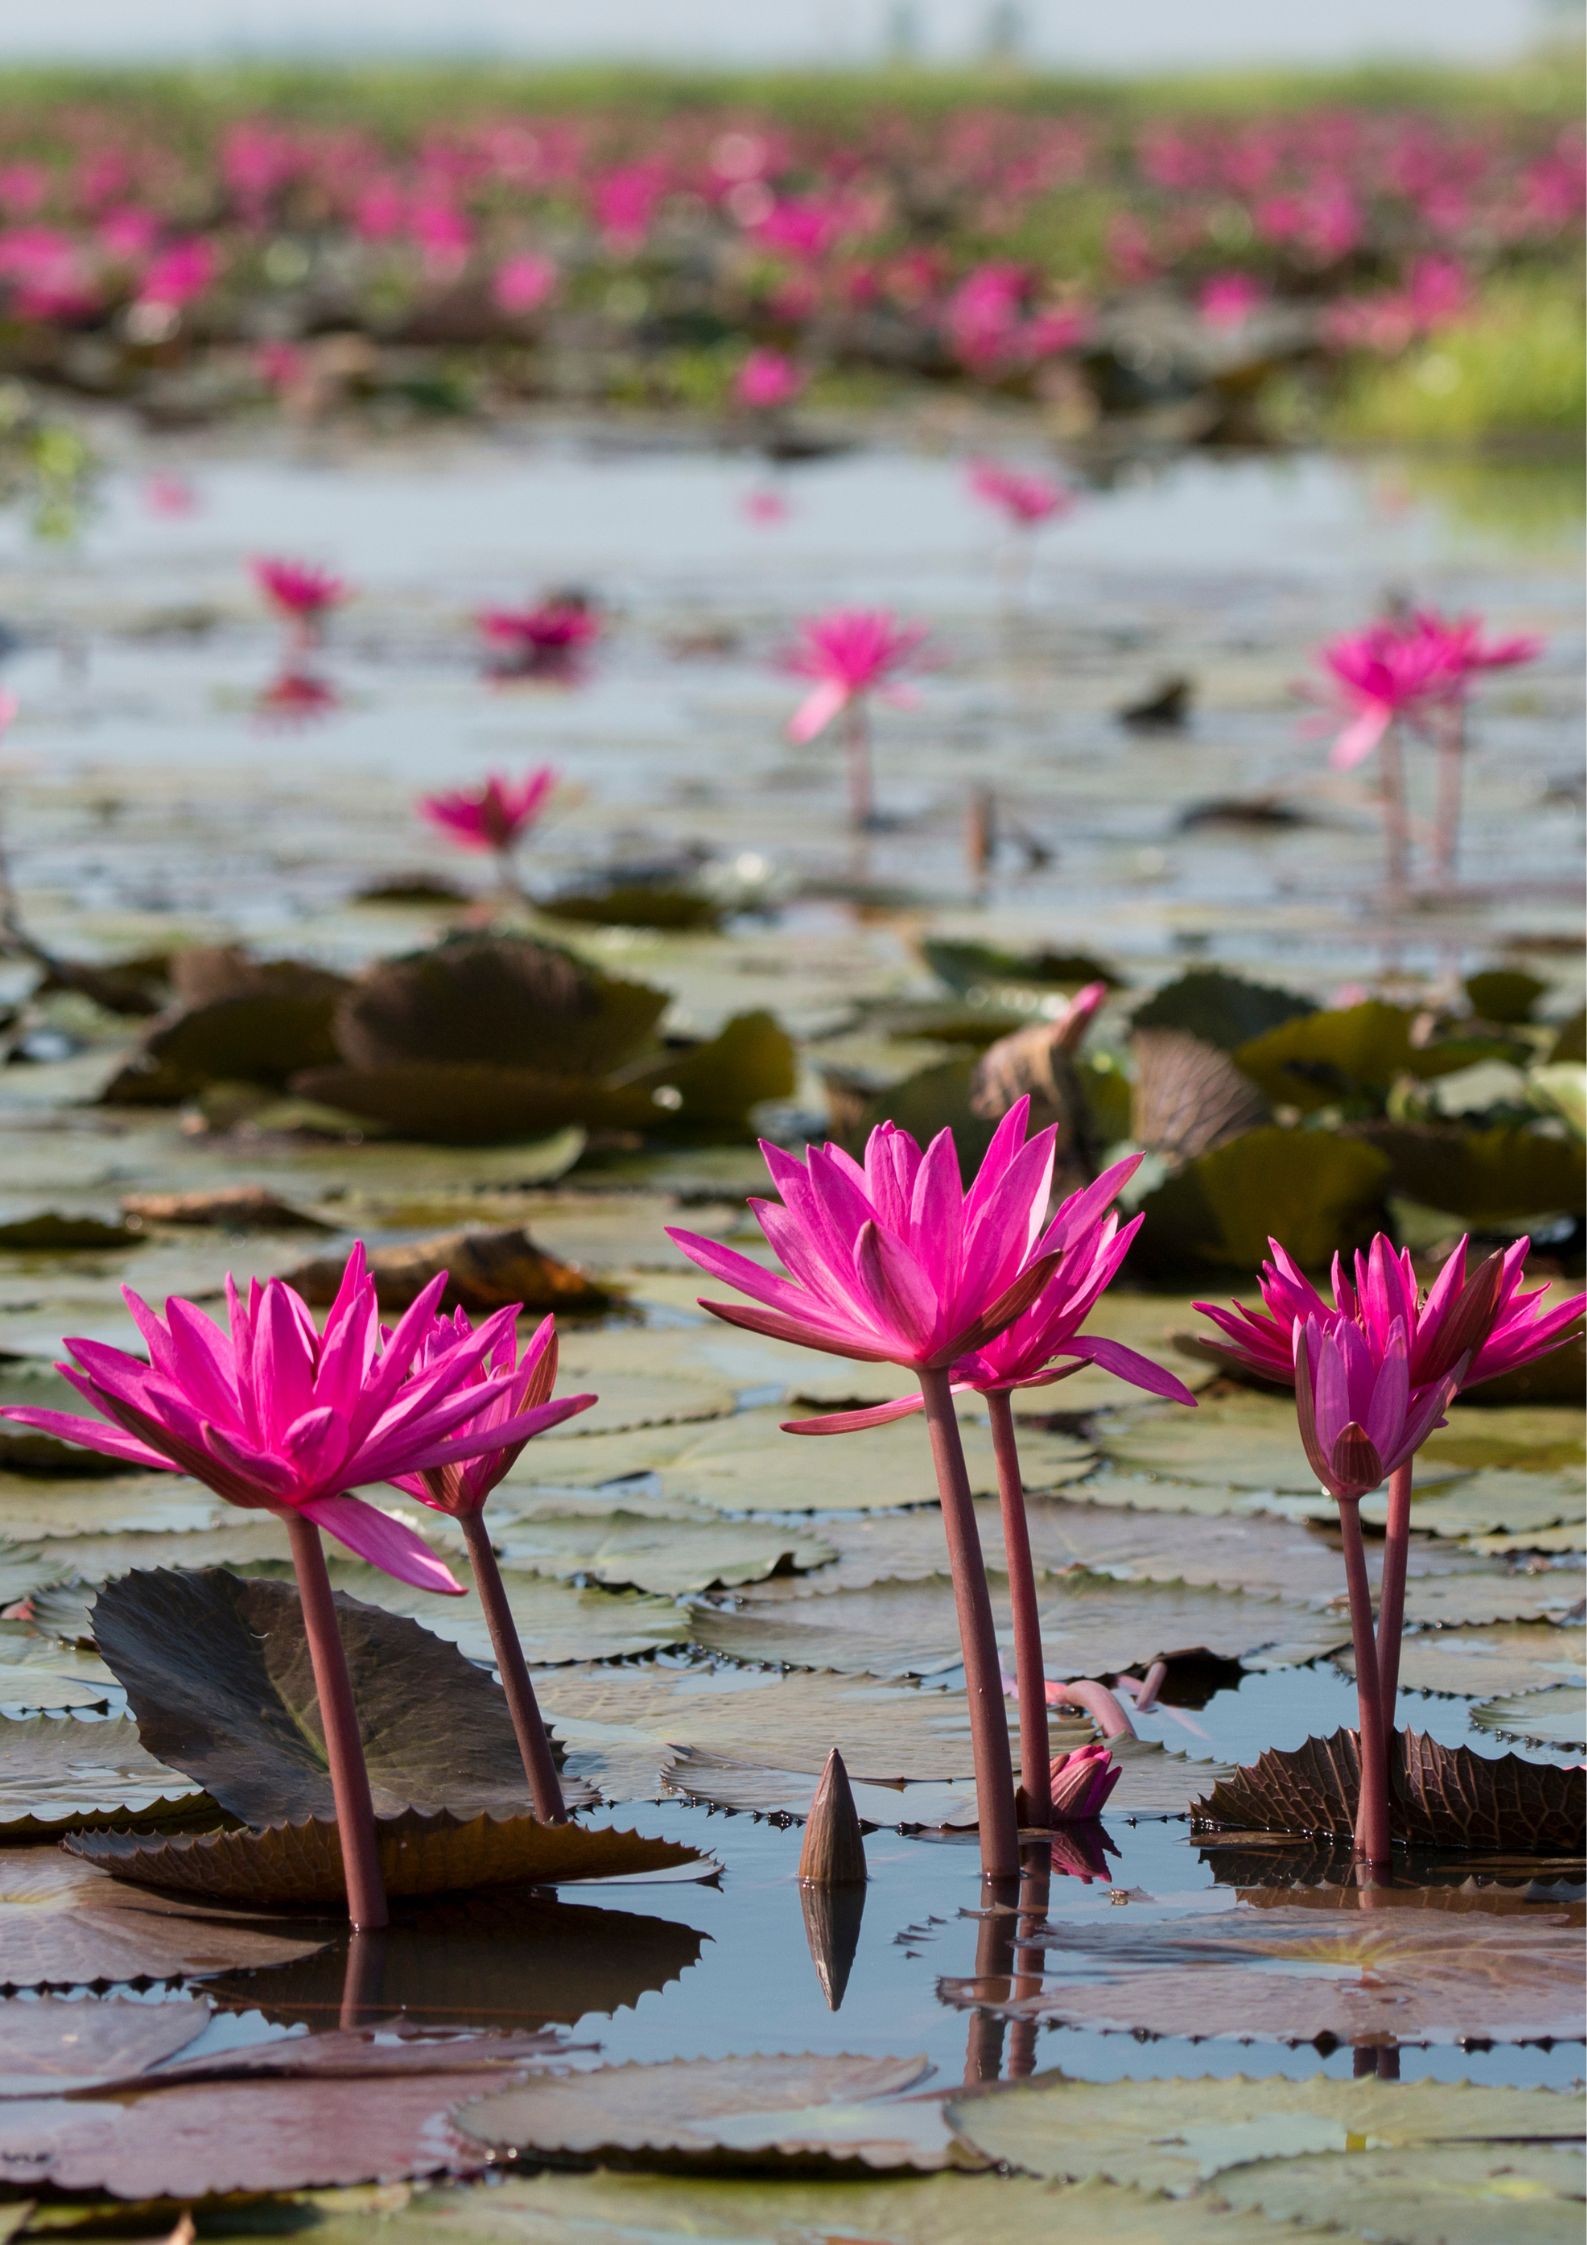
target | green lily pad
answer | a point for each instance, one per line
(1353, 1053)
(1464, 2194)
(1488, 1174)
(1315, 1191)
(1221, 1009)
(1555, 1716)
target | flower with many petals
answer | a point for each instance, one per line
(274, 1414)
(848, 654)
(297, 590)
(1379, 676)
(892, 1261)
(544, 641)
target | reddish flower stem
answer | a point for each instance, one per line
(1391, 1598)
(539, 1763)
(1451, 780)
(857, 754)
(1035, 1753)
(1106, 1710)
(983, 1675)
(362, 1970)
(1373, 1842)
(1395, 833)
(344, 1749)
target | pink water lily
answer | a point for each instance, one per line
(273, 1414)
(546, 640)
(1081, 1782)
(892, 1261)
(850, 653)
(297, 589)
(767, 380)
(1360, 1415)
(525, 1406)
(1379, 676)
(1497, 1329)
(1025, 500)
(494, 816)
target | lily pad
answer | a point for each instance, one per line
(57, 1773)
(1091, 1626)
(217, 1671)
(64, 1924)
(1488, 1174)
(1521, 1657)
(55, 2044)
(724, 2112)
(298, 1865)
(671, 1555)
(1441, 1796)
(1176, 2135)
(1352, 1053)
(1315, 1190)
(1556, 1716)
(1398, 1974)
(485, 1271)
(1221, 1009)
(1465, 2194)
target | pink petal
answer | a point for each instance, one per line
(855, 1422)
(384, 1542)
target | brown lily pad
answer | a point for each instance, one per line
(57, 1775)
(299, 1865)
(217, 1672)
(226, 1208)
(1442, 1796)
(64, 1924)
(54, 2044)
(486, 1270)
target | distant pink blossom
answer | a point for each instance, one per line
(179, 274)
(1026, 500)
(523, 283)
(1229, 299)
(169, 495)
(766, 507)
(494, 816)
(544, 641)
(850, 653)
(1378, 676)
(297, 589)
(767, 380)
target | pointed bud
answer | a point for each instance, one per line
(834, 1850)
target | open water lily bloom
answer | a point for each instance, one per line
(892, 1261)
(1045, 1342)
(1360, 1416)
(1379, 676)
(848, 654)
(297, 589)
(495, 815)
(273, 1414)
(1025, 500)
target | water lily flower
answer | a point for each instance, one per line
(893, 1261)
(850, 655)
(1361, 1421)
(495, 816)
(275, 1414)
(1380, 676)
(1229, 299)
(1043, 1344)
(526, 1403)
(544, 641)
(1081, 1783)
(301, 594)
(1463, 654)
(523, 283)
(766, 381)
(1026, 501)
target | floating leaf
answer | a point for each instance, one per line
(1353, 1053)
(240, 1020)
(669, 1554)
(474, 1103)
(1463, 2194)
(1315, 1190)
(299, 1865)
(64, 1924)
(724, 2112)
(54, 2044)
(1507, 994)
(1442, 1796)
(1523, 1657)
(1491, 1173)
(635, 903)
(1554, 1717)
(218, 1674)
(1393, 1973)
(228, 1208)
(1221, 1009)
(495, 1957)
(52, 1232)
(486, 1270)
(1091, 1626)
(1187, 1096)
(57, 1773)
(1174, 2135)
(980, 966)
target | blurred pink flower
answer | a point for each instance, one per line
(1024, 500)
(545, 641)
(766, 507)
(767, 380)
(1229, 299)
(495, 816)
(850, 653)
(1379, 675)
(523, 283)
(298, 589)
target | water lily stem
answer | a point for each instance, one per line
(355, 1811)
(539, 1763)
(1395, 831)
(1105, 1708)
(1373, 1843)
(1391, 1602)
(1034, 1750)
(983, 1675)
(1451, 781)
(857, 754)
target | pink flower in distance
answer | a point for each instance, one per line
(1024, 500)
(1360, 1416)
(1490, 1321)
(523, 283)
(849, 653)
(545, 641)
(767, 380)
(1464, 653)
(766, 507)
(892, 1261)
(1045, 1342)
(1229, 299)
(524, 1402)
(275, 1415)
(179, 274)
(1380, 675)
(297, 589)
(495, 815)
(1082, 1781)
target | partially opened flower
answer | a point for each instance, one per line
(1024, 500)
(1081, 1783)
(1360, 1416)
(274, 1414)
(494, 816)
(299, 592)
(526, 1405)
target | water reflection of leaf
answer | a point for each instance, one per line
(500, 1958)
